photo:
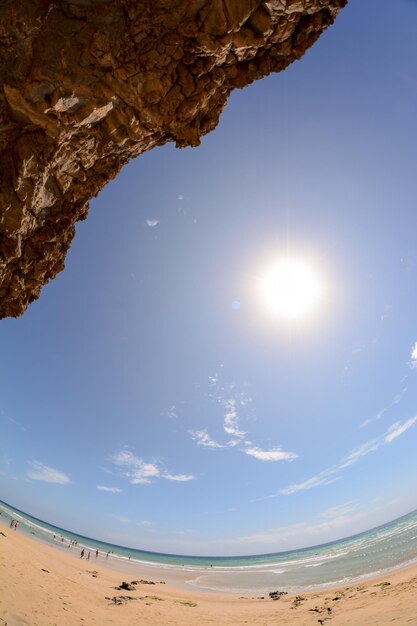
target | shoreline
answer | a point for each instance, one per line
(44, 585)
(174, 575)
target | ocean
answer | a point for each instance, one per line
(368, 554)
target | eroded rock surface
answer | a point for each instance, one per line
(89, 84)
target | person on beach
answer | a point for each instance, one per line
(88, 556)
(107, 555)
(12, 523)
(16, 525)
(96, 553)
(82, 553)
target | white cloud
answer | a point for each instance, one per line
(124, 457)
(230, 399)
(172, 412)
(231, 420)
(396, 400)
(119, 518)
(285, 537)
(331, 474)
(142, 475)
(398, 397)
(140, 472)
(181, 478)
(144, 523)
(12, 420)
(152, 222)
(375, 418)
(203, 439)
(340, 510)
(5, 460)
(398, 429)
(357, 453)
(413, 362)
(274, 454)
(47, 474)
(323, 478)
(109, 489)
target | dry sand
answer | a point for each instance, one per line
(44, 586)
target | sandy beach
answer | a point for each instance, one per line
(44, 586)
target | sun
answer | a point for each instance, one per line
(291, 288)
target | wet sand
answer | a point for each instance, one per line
(44, 586)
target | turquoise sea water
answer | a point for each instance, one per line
(372, 553)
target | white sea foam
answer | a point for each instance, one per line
(375, 553)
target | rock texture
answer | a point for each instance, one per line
(89, 84)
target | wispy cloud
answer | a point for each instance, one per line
(326, 477)
(140, 472)
(152, 222)
(180, 478)
(144, 523)
(232, 401)
(5, 462)
(185, 532)
(11, 419)
(340, 510)
(109, 489)
(47, 474)
(375, 418)
(137, 470)
(119, 518)
(331, 474)
(202, 438)
(398, 429)
(328, 523)
(357, 453)
(396, 400)
(273, 454)
(231, 420)
(386, 312)
(172, 412)
(413, 356)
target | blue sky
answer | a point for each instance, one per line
(140, 406)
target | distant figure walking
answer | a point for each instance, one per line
(16, 525)
(107, 555)
(96, 553)
(12, 523)
(88, 556)
(82, 553)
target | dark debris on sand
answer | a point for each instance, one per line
(118, 600)
(276, 595)
(131, 586)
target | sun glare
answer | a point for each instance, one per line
(291, 289)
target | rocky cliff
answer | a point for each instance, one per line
(89, 84)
